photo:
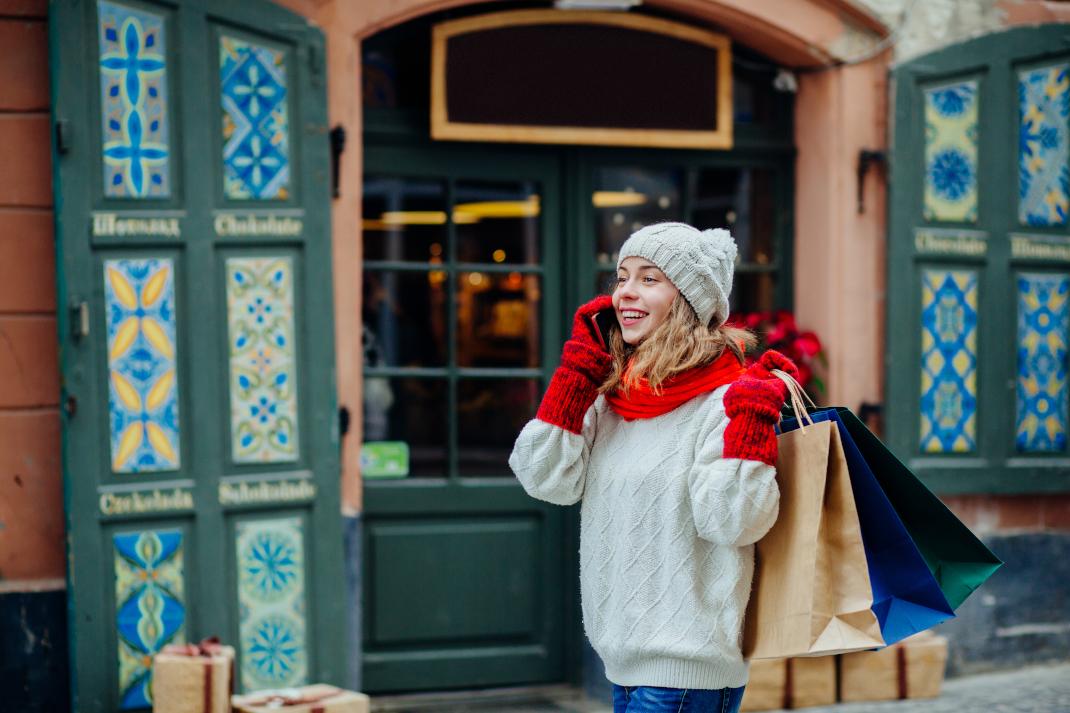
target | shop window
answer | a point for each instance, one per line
(452, 319)
(625, 198)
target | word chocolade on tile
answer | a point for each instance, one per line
(1040, 247)
(166, 224)
(229, 224)
(146, 501)
(256, 492)
(968, 243)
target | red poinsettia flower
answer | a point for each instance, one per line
(778, 330)
(808, 344)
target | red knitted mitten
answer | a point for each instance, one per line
(753, 406)
(584, 366)
(769, 360)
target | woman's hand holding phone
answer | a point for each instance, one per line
(585, 364)
(604, 323)
(584, 327)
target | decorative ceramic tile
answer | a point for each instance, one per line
(271, 603)
(133, 101)
(143, 394)
(263, 378)
(256, 153)
(150, 607)
(951, 153)
(948, 361)
(1043, 173)
(1043, 323)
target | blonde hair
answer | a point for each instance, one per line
(678, 344)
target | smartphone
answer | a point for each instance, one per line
(604, 323)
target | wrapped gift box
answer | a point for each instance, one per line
(790, 683)
(913, 668)
(318, 698)
(193, 678)
(810, 682)
(765, 689)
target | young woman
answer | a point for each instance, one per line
(670, 444)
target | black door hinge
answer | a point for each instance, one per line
(338, 145)
(343, 420)
(867, 158)
(63, 136)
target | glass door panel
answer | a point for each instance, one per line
(491, 412)
(404, 218)
(627, 198)
(452, 312)
(739, 198)
(497, 222)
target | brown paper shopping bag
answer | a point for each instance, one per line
(812, 592)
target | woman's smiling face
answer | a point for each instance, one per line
(642, 299)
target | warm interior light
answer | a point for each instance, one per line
(498, 255)
(528, 208)
(463, 214)
(617, 199)
(462, 218)
(413, 217)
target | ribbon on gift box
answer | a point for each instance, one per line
(901, 671)
(209, 647)
(293, 697)
(789, 685)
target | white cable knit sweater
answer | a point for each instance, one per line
(667, 537)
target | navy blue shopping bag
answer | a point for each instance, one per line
(906, 596)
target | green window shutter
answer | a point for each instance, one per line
(196, 334)
(979, 264)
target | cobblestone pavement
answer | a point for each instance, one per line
(1040, 689)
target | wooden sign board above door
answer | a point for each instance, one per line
(560, 77)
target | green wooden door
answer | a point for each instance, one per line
(979, 264)
(200, 440)
(468, 580)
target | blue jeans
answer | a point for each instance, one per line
(651, 699)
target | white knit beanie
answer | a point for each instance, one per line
(699, 262)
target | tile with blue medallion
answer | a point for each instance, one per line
(150, 609)
(133, 101)
(1043, 325)
(142, 373)
(263, 364)
(256, 143)
(1043, 173)
(948, 361)
(951, 153)
(271, 603)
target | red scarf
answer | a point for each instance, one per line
(642, 402)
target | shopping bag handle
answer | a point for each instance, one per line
(798, 397)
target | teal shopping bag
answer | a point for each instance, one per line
(957, 558)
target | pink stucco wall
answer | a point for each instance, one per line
(31, 489)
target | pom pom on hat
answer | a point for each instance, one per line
(700, 263)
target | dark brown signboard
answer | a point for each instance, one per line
(550, 76)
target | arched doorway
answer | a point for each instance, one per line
(475, 255)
